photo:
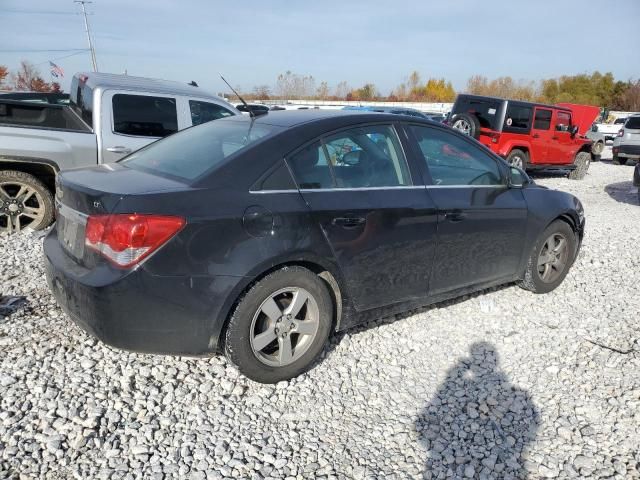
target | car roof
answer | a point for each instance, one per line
(519, 102)
(292, 118)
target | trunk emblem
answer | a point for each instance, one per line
(97, 204)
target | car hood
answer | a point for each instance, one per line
(582, 115)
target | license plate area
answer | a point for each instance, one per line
(71, 227)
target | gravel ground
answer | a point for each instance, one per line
(503, 384)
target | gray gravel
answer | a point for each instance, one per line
(503, 384)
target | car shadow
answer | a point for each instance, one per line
(623, 192)
(478, 424)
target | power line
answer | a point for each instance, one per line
(43, 50)
(35, 12)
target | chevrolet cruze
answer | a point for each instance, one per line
(259, 237)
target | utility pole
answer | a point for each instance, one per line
(86, 27)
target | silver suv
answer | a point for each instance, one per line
(626, 145)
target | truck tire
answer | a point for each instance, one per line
(24, 202)
(597, 148)
(467, 124)
(518, 158)
(582, 162)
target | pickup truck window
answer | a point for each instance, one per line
(144, 116)
(202, 112)
(81, 100)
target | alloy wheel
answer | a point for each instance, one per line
(463, 126)
(20, 206)
(284, 326)
(553, 257)
(517, 161)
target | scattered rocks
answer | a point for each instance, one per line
(502, 384)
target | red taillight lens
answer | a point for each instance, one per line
(126, 239)
(621, 132)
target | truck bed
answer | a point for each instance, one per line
(36, 115)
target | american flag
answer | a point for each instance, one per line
(56, 71)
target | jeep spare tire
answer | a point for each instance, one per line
(467, 124)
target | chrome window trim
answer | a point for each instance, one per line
(401, 187)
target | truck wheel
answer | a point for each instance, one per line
(550, 259)
(597, 148)
(582, 162)
(518, 158)
(24, 202)
(467, 124)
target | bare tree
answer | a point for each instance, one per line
(323, 91)
(342, 89)
(293, 86)
(262, 92)
(4, 73)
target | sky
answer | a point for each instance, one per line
(251, 42)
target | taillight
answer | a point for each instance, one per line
(620, 132)
(126, 239)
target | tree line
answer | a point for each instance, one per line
(26, 78)
(596, 88)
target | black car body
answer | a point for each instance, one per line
(379, 248)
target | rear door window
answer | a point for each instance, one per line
(202, 112)
(542, 120)
(364, 157)
(144, 116)
(632, 122)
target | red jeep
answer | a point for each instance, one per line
(529, 135)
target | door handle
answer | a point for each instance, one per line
(535, 135)
(455, 216)
(349, 222)
(118, 149)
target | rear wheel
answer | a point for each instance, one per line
(597, 148)
(550, 259)
(280, 325)
(518, 158)
(582, 162)
(24, 202)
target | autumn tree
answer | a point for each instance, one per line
(595, 89)
(629, 98)
(438, 90)
(262, 92)
(4, 73)
(28, 78)
(504, 87)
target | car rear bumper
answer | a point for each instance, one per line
(139, 311)
(628, 151)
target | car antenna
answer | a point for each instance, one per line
(251, 114)
(192, 83)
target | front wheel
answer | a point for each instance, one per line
(280, 325)
(550, 259)
(24, 202)
(582, 162)
(597, 148)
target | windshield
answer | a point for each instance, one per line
(192, 152)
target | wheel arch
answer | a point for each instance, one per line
(327, 272)
(43, 169)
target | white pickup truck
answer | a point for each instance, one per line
(109, 116)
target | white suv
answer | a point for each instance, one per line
(626, 145)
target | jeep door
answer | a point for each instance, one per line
(481, 221)
(541, 135)
(562, 147)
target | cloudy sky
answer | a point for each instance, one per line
(359, 41)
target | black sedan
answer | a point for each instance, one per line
(258, 237)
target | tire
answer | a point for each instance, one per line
(467, 124)
(533, 279)
(249, 327)
(24, 202)
(619, 160)
(518, 158)
(597, 148)
(582, 162)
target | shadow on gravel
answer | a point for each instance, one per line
(478, 425)
(623, 192)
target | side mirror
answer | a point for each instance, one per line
(517, 178)
(573, 129)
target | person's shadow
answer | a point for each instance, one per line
(478, 424)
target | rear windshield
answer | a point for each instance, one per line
(632, 122)
(190, 153)
(485, 110)
(81, 100)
